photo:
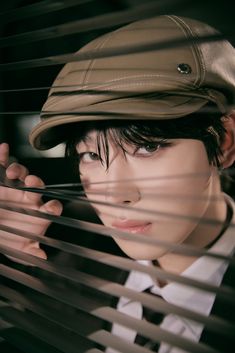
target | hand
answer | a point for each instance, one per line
(25, 199)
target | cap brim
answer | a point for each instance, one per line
(51, 130)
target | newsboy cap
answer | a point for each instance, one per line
(156, 80)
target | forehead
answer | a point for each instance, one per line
(89, 136)
(96, 136)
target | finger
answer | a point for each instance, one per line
(35, 250)
(4, 154)
(54, 207)
(31, 249)
(33, 181)
(17, 171)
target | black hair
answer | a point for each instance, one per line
(203, 125)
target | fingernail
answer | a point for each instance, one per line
(4, 145)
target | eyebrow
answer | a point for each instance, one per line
(87, 138)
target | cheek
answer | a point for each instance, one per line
(180, 196)
(178, 205)
(180, 185)
(95, 193)
(193, 187)
(185, 172)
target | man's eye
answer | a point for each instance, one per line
(147, 149)
(88, 157)
(150, 148)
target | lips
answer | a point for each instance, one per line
(131, 226)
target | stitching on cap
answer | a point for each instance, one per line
(139, 76)
(89, 70)
(146, 76)
(87, 85)
(138, 84)
(134, 84)
(91, 63)
(197, 52)
(180, 23)
(122, 85)
(106, 39)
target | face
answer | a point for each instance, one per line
(163, 180)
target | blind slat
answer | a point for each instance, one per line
(51, 333)
(25, 341)
(141, 326)
(41, 8)
(118, 290)
(148, 9)
(68, 342)
(224, 292)
(107, 52)
(110, 232)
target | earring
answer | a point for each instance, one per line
(213, 132)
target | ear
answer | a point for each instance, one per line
(228, 145)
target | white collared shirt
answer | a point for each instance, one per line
(205, 269)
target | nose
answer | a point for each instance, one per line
(121, 187)
(122, 193)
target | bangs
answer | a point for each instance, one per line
(141, 132)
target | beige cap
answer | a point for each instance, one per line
(155, 84)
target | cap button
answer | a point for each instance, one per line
(184, 69)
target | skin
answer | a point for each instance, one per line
(182, 156)
(27, 199)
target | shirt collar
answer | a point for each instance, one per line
(186, 296)
(206, 269)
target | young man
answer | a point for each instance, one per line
(152, 127)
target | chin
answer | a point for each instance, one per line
(138, 251)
